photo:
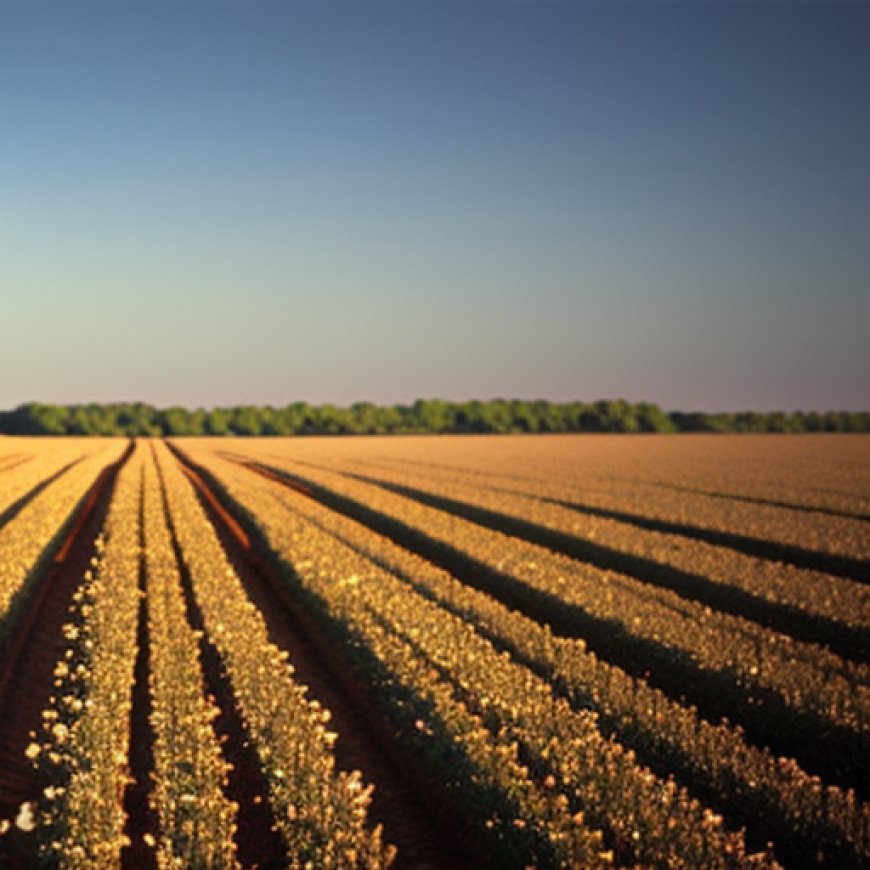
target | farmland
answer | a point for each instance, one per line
(505, 651)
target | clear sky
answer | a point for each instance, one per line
(226, 202)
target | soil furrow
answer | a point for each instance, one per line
(141, 818)
(14, 461)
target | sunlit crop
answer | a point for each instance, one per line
(571, 661)
(82, 748)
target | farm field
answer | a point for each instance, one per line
(500, 651)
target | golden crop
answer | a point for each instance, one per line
(196, 820)
(530, 693)
(742, 653)
(320, 812)
(815, 592)
(81, 817)
(455, 672)
(41, 522)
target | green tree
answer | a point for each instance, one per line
(217, 422)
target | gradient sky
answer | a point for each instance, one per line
(215, 203)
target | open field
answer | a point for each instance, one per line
(549, 651)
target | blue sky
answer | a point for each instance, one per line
(218, 203)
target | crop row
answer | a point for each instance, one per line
(826, 533)
(196, 821)
(802, 815)
(321, 813)
(21, 478)
(28, 539)
(794, 493)
(82, 751)
(819, 474)
(84, 758)
(687, 481)
(747, 661)
(435, 656)
(846, 602)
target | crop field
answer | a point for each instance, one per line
(491, 651)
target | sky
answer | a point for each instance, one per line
(216, 203)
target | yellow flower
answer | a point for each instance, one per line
(25, 820)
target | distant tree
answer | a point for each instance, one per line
(847, 422)
(217, 422)
(197, 422)
(431, 415)
(616, 415)
(390, 420)
(137, 419)
(425, 415)
(522, 417)
(363, 418)
(245, 420)
(295, 418)
(498, 416)
(80, 422)
(651, 418)
(175, 421)
(810, 422)
(573, 415)
(745, 421)
(329, 420)
(270, 420)
(39, 419)
(470, 417)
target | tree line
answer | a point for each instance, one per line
(423, 416)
